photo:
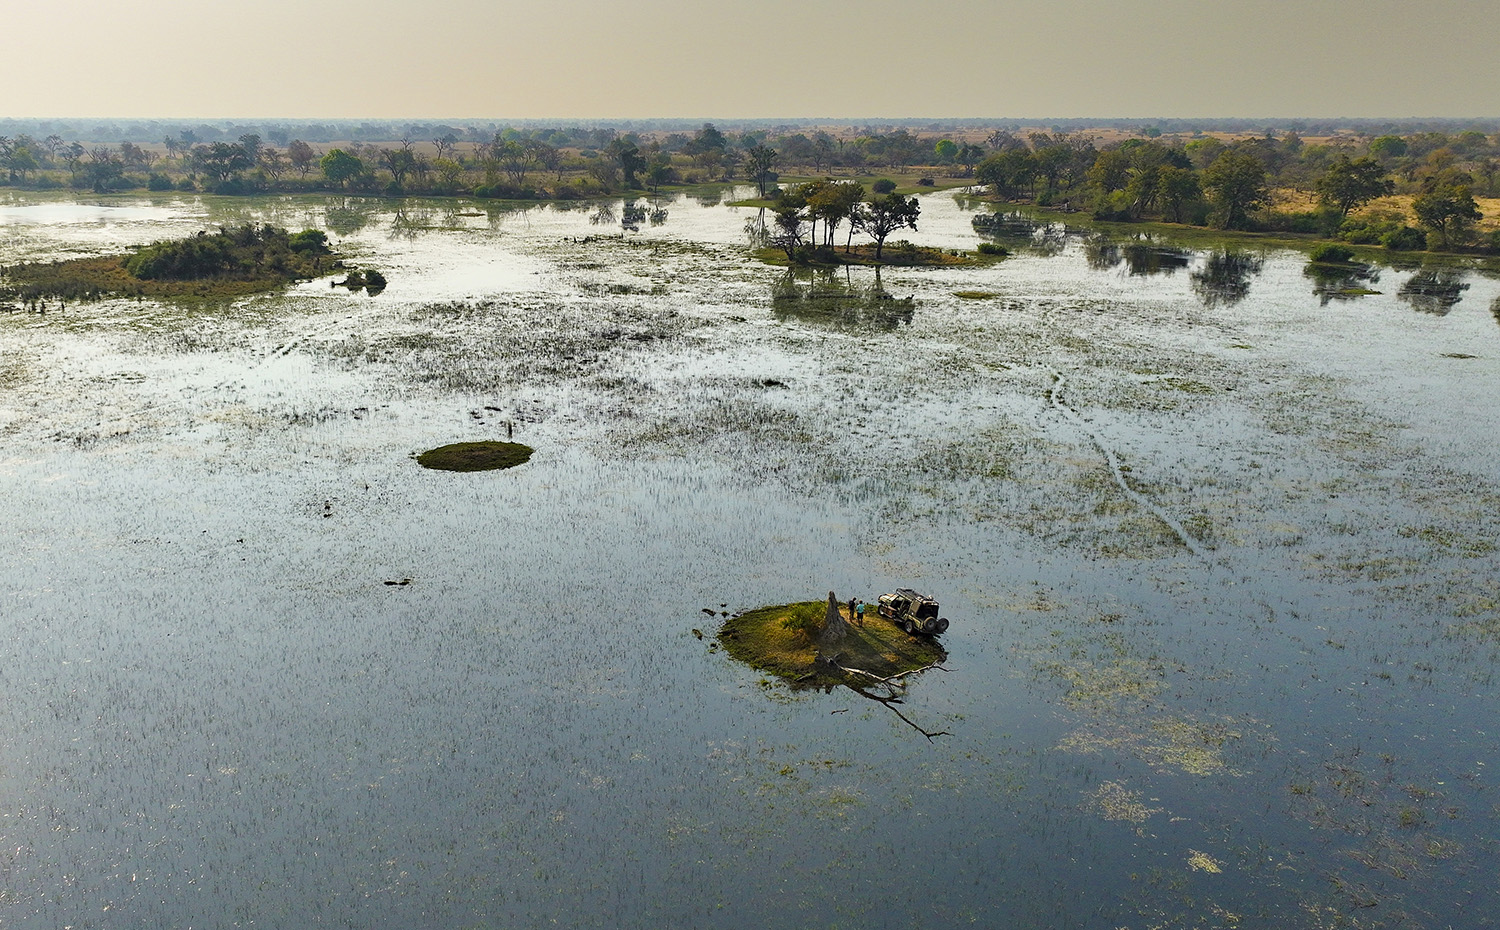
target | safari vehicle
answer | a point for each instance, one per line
(913, 612)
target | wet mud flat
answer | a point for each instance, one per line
(1219, 556)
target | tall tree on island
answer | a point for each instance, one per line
(758, 161)
(884, 215)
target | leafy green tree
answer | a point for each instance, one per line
(133, 156)
(628, 156)
(399, 162)
(104, 168)
(1348, 184)
(20, 162)
(1111, 171)
(1051, 160)
(251, 143)
(946, 151)
(758, 162)
(1177, 189)
(221, 160)
(706, 138)
(659, 171)
(340, 167)
(833, 202)
(1007, 172)
(884, 215)
(1236, 184)
(1388, 147)
(1448, 212)
(789, 219)
(970, 155)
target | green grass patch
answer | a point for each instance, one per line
(476, 456)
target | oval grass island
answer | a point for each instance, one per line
(476, 456)
(817, 644)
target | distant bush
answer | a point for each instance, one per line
(186, 184)
(991, 248)
(926, 182)
(1405, 239)
(1331, 254)
(502, 191)
(158, 182)
(883, 186)
(1310, 223)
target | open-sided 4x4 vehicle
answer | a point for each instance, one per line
(913, 612)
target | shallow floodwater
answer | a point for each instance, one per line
(1217, 540)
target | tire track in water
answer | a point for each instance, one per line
(1055, 394)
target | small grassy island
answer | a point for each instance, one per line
(476, 456)
(230, 263)
(817, 644)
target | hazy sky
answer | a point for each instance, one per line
(737, 58)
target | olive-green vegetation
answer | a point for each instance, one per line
(476, 456)
(782, 640)
(1338, 185)
(231, 262)
(1251, 184)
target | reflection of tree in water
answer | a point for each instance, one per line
(1435, 292)
(347, 217)
(1144, 258)
(408, 221)
(603, 215)
(1495, 309)
(834, 297)
(1021, 233)
(1101, 253)
(1141, 257)
(710, 197)
(1224, 279)
(1341, 282)
(756, 230)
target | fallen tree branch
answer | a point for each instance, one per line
(833, 660)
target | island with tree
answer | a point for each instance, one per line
(233, 262)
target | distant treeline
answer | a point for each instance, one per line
(1228, 180)
(323, 132)
(1233, 183)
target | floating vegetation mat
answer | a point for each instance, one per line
(476, 456)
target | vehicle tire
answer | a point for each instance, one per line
(942, 625)
(908, 627)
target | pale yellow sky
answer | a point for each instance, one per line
(585, 59)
